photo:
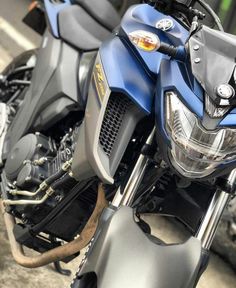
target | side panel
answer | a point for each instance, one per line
(53, 92)
(123, 256)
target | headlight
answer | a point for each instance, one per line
(196, 152)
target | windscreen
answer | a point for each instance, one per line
(217, 58)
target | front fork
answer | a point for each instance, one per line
(210, 222)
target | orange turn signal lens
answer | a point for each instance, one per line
(145, 40)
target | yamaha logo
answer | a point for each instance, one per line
(165, 24)
(225, 91)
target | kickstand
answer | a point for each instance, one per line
(60, 270)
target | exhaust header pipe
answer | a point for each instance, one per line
(61, 252)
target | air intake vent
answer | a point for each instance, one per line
(117, 107)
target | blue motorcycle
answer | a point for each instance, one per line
(111, 118)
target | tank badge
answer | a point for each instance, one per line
(165, 24)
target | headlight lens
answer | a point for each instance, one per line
(196, 152)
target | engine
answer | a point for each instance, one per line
(62, 214)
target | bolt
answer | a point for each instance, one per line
(58, 198)
(163, 164)
(11, 185)
(196, 47)
(41, 177)
(197, 60)
(40, 161)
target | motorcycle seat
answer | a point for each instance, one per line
(102, 11)
(79, 29)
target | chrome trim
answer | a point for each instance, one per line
(125, 197)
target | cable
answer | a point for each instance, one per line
(208, 8)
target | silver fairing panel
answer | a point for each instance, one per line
(88, 159)
(102, 139)
(123, 256)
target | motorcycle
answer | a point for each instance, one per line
(113, 118)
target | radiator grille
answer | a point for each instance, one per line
(116, 109)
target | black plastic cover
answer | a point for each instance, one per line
(213, 60)
(52, 94)
(123, 256)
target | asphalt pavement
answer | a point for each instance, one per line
(16, 37)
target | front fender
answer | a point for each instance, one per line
(123, 256)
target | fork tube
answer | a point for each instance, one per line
(214, 213)
(126, 196)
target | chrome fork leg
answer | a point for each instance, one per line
(125, 197)
(214, 213)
